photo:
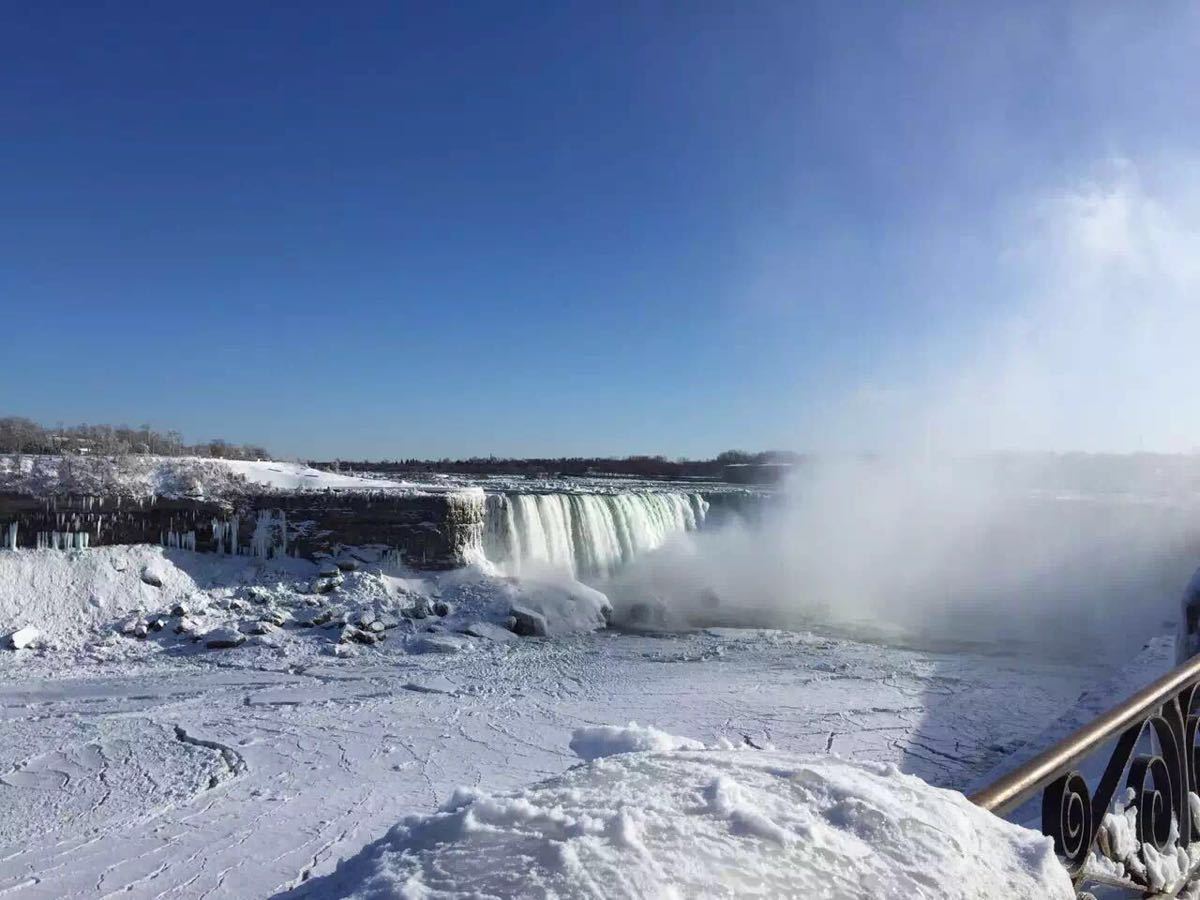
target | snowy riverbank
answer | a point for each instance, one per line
(242, 772)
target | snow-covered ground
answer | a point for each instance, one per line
(193, 725)
(175, 476)
(184, 476)
(715, 822)
(157, 767)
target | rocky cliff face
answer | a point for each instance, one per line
(429, 531)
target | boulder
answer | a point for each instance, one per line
(528, 623)
(310, 618)
(179, 610)
(258, 594)
(419, 609)
(223, 638)
(558, 607)
(441, 608)
(357, 636)
(257, 628)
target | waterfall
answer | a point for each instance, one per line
(584, 534)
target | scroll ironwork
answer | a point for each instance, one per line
(1155, 763)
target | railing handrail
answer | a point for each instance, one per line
(1013, 789)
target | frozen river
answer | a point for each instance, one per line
(245, 773)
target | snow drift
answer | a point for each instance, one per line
(707, 823)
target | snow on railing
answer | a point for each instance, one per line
(1139, 828)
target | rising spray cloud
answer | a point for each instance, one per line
(946, 534)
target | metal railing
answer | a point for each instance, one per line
(1155, 754)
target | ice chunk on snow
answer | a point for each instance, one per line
(153, 573)
(710, 823)
(23, 637)
(439, 643)
(608, 740)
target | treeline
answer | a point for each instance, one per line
(20, 435)
(652, 467)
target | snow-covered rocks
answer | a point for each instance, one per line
(165, 598)
(223, 638)
(23, 637)
(351, 634)
(275, 617)
(528, 623)
(549, 609)
(713, 823)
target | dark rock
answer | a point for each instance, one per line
(274, 617)
(258, 594)
(419, 609)
(224, 638)
(357, 635)
(527, 623)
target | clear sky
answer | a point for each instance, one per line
(389, 229)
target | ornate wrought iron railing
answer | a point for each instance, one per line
(1154, 753)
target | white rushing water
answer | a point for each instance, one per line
(584, 534)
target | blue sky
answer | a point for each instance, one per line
(451, 229)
